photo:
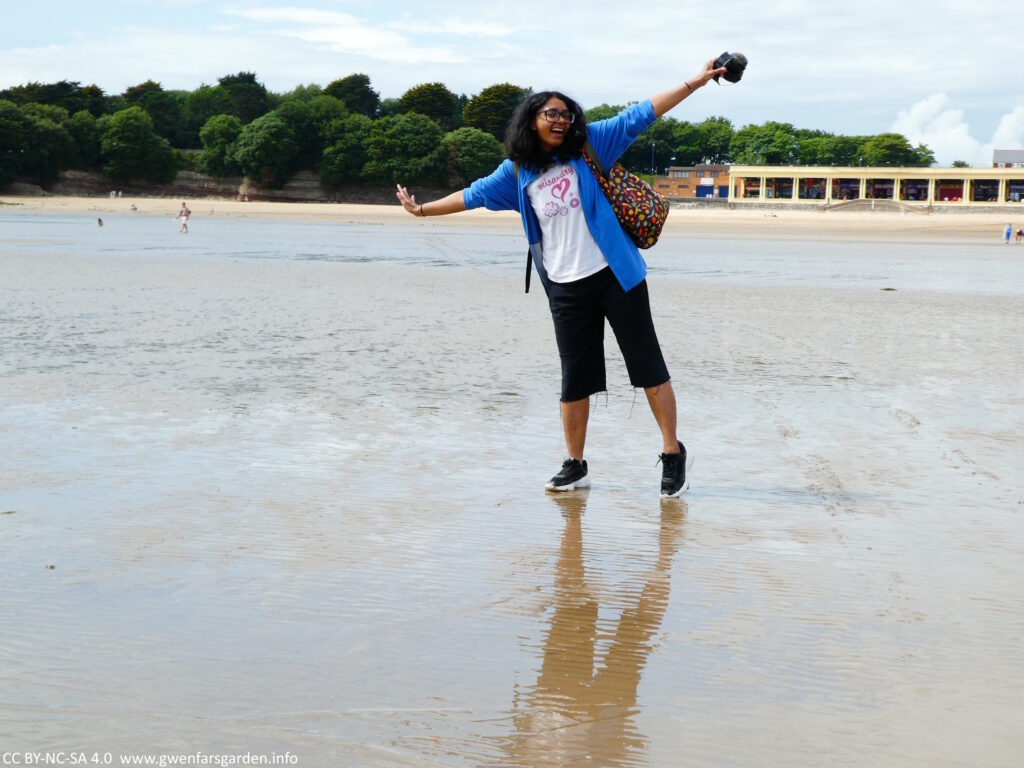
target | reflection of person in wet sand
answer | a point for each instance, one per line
(577, 714)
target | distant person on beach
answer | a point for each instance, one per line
(184, 214)
(1020, 235)
(99, 222)
(1009, 231)
(134, 208)
(590, 268)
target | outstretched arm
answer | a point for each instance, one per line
(663, 102)
(453, 203)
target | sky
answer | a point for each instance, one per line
(946, 73)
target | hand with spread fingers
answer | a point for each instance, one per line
(409, 201)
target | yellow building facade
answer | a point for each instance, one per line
(924, 187)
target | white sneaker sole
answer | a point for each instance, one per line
(583, 482)
(686, 483)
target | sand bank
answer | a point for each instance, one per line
(754, 222)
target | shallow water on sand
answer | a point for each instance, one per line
(276, 487)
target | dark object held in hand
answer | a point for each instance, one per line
(734, 64)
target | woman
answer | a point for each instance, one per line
(590, 268)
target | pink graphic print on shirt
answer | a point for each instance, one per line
(560, 186)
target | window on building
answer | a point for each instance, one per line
(949, 190)
(984, 190)
(845, 189)
(913, 189)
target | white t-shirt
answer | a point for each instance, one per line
(570, 251)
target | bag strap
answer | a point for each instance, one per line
(529, 256)
(596, 164)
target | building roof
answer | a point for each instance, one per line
(1008, 155)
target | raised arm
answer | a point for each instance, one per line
(663, 102)
(453, 203)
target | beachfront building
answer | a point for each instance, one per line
(915, 187)
(688, 182)
(1008, 158)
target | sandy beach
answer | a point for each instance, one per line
(754, 222)
(276, 488)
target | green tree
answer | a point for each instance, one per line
(265, 150)
(164, 107)
(492, 108)
(470, 153)
(70, 95)
(717, 139)
(199, 106)
(247, 97)
(12, 140)
(356, 93)
(406, 149)
(689, 142)
(299, 118)
(389, 108)
(925, 156)
(961, 164)
(654, 146)
(218, 137)
(303, 93)
(323, 111)
(815, 150)
(459, 112)
(602, 112)
(130, 148)
(83, 129)
(845, 151)
(431, 99)
(50, 112)
(345, 155)
(49, 146)
(769, 144)
(894, 149)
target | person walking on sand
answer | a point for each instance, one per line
(184, 214)
(1006, 235)
(590, 268)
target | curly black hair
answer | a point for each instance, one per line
(521, 143)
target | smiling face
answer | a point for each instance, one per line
(551, 135)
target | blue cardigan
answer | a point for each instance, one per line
(504, 191)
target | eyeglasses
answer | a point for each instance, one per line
(553, 115)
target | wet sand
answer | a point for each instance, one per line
(277, 505)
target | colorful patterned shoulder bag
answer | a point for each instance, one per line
(640, 208)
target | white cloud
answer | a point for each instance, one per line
(1010, 132)
(459, 27)
(344, 33)
(933, 122)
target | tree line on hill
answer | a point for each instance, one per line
(348, 135)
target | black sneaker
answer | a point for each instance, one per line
(675, 468)
(573, 475)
